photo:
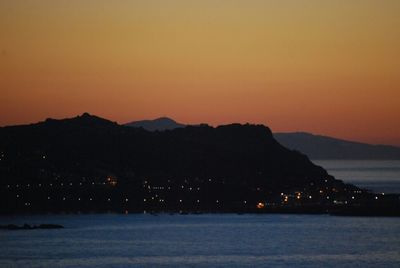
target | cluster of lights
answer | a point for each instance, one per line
(111, 181)
(285, 197)
(158, 187)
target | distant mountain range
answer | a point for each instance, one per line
(323, 147)
(314, 146)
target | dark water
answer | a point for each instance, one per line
(377, 175)
(219, 240)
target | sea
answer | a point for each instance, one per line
(214, 240)
(379, 176)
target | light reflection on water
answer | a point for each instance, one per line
(216, 240)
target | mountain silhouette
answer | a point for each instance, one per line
(162, 123)
(88, 163)
(93, 146)
(323, 147)
(314, 146)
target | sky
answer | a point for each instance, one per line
(326, 67)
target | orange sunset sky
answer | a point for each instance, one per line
(326, 67)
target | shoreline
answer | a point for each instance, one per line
(344, 212)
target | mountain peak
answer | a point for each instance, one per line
(86, 114)
(158, 124)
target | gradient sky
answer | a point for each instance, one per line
(327, 67)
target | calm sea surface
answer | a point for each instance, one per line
(219, 240)
(376, 175)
